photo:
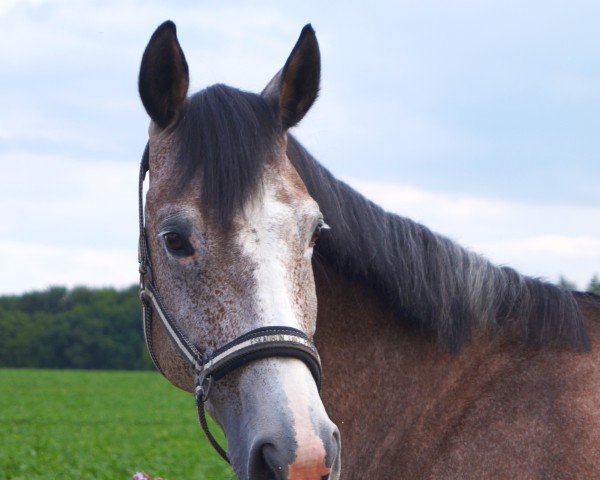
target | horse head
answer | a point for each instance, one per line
(230, 229)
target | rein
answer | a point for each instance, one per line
(263, 342)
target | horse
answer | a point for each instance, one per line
(436, 363)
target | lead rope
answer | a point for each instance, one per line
(201, 396)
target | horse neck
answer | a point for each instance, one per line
(402, 403)
(379, 373)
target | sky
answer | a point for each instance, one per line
(479, 119)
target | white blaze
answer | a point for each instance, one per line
(263, 240)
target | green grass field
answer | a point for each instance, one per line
(100, 425)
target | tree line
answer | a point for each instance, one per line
(79, 328)
(593, 286)
(86, 328)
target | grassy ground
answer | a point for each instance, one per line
(100, 425)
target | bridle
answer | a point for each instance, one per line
(256, 344)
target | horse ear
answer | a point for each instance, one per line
(295, 87)
(164, 77)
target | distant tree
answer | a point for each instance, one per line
(50, 300)
(78, 328)
(594, 285)
(566, 283)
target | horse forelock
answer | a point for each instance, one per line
(224, 137)
(434, 284)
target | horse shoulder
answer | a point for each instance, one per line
(536, 416)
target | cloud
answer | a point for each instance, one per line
(38, 266)
(6, 6)
(583, 247)
(66, 221)
(61, 201)
(541, 240)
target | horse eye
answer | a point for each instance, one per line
(175, 243)
(317, 233)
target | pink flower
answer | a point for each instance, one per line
(144, 476)
(141, 476)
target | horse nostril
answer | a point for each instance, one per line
(334, 448)
(273, 461)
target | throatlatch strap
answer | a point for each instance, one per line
(143, 254)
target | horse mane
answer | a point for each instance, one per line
(226, 136)
(432, 282)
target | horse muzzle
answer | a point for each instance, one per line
(276, 424)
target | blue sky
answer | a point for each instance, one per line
(480, 119)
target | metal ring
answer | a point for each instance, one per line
(203, 388)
